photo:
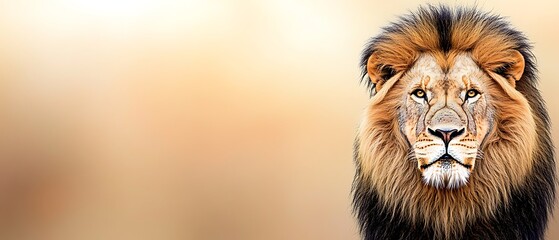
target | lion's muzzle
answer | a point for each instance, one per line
(446, 150)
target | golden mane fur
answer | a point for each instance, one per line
(512, 149)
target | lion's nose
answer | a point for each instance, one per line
(445, 134)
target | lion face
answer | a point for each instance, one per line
(445, 117)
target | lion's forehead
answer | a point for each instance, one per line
(463, 71)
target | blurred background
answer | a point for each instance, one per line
(210, 119)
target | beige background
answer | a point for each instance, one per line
(192, 119)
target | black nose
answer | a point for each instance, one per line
(446, 135)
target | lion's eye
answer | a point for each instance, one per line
(419, 93)
(472, 93)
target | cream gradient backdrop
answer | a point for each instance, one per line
(193, 119)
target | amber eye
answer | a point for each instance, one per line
(419, 93)
(472, 93)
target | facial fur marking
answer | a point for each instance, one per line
(466, 81)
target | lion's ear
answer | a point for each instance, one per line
(378, 72)
(509, 64)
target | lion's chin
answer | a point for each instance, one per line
(446, 173)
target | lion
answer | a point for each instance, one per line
(455, 140)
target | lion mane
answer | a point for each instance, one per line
(510, 194)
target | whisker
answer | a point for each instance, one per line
(411, 155)
(480, 154)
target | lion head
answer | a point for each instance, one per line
(455, 128)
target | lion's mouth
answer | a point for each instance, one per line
(446, 161)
